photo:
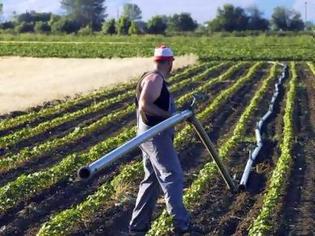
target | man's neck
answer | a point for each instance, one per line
(163, 72)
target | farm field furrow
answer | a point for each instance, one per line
(297, 215)
(227, 215)
(264, 221)
(128, 174)
(70, 160)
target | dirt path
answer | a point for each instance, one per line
(28, 82)
(298, 216)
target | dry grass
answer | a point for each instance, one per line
(28, 82)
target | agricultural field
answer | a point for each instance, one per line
(41, 149)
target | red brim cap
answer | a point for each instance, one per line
(163, 53)
(161, 58)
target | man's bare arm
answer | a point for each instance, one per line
(151, 90)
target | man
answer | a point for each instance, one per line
(161, 165)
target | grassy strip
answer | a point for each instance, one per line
(64, 221)
(63, 107)
(26, 186)
(163, 225)
(263, 223)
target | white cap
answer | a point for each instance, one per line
(163, 53)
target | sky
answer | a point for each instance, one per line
(201, 10)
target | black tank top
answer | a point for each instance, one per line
(163, 101)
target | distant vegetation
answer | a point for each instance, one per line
(87, 17)
(221, 46)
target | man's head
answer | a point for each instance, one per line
(164, 57)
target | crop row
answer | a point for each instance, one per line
(63, 222)
(163, 225)
(89, 98)
(10, 162)
(208, 85)
(26, 186)
(181, 84)
(263, 223)
(28, 132)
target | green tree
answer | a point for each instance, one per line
(42, 16)
(24, 27)
(123, 25)
(182, 22)
(65, 25)
(33, 16)
(132, 12)
(296, 22)
(286, 19)
(26, 17)
(229, 18)
(109, 27)
(255, 20)
(42, 27)
(86, 12)
(157, 25)
(7, 25)
(134, 28)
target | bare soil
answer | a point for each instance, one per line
(28, 82)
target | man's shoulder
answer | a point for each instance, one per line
(153, 77)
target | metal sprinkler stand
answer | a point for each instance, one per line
(95, 167)
(213, 153)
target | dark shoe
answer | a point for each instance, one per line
(192, 230)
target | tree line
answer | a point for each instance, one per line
(88, 16)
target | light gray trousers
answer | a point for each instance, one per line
(162, 171)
